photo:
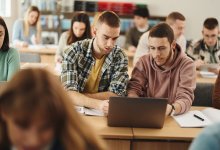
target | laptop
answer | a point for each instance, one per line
(140, 112)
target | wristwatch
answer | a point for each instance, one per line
(172, 112)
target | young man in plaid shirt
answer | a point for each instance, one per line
(95, 69)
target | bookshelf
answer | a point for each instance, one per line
(56, 15)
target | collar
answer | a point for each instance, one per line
(109, 57)
(90, 47)
(144, 29)
(216, 47)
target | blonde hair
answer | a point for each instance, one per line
(173, 16)
(37, 23)
(35, 91)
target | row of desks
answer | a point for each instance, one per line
(170, 137)
(48, 53)
(51, 68)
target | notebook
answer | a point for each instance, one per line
(89, 111)
(137, 112)
(207, 74)
(209, 66)
(196, 118)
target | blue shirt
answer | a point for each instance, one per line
(209, 139)
(18, 32)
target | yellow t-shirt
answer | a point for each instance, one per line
(92, 83)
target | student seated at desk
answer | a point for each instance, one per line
(27, 31)
(207, 49)
(37, 114)
(9, 57)
(141, 25)
(209, 139)
(95, 69)
(176, 21)
(80, 30)
(166, 72)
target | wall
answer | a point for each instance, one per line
(14, 15)
(195, 12)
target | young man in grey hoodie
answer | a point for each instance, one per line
(166, 72)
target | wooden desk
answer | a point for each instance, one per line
(48, 66)
(117, 138)
(201, 79)
(47, 54)
(43, 50)
(170, 137)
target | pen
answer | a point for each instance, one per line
(198, 117)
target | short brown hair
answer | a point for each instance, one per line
(162, 30)
(110, 18)
(173, 16)
(210, 23)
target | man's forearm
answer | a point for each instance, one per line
(82, 100)
(132, 94)
(100, 95)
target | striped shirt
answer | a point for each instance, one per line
(199, 50)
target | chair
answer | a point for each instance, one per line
(30, 57)
(203, 94)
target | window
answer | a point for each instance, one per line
(5, 8)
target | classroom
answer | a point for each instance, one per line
(109, 74)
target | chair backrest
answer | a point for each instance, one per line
(30, 57)
(203, 94)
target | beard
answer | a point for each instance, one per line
(167, 59)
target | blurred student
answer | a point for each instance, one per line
(27, 31)
(166, 72)
(80, 30)
(37, 114)
(9, 57)
(141, 25)
(207, 49)
(208, 139)
(177, 22)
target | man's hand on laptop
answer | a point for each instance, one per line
(104, 106)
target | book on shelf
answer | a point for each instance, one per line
(196, 118)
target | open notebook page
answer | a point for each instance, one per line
(188, 120)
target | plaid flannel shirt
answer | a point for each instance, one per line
(78, 62)
(199, 50)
